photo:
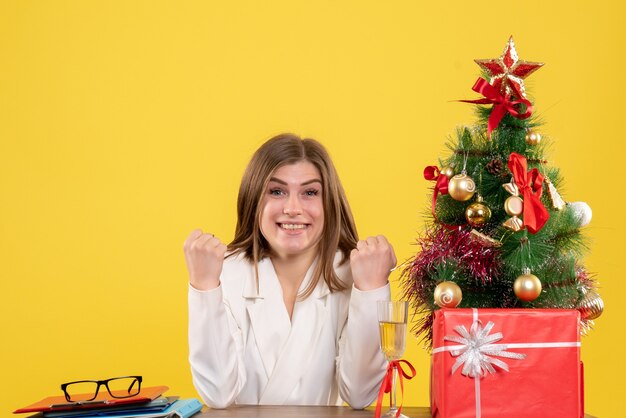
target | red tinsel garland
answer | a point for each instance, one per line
(481, 261)
(440, 244)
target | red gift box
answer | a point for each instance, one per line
(495, 363)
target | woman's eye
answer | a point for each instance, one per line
(276, 192)
(312, 192)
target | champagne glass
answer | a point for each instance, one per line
(392, 318)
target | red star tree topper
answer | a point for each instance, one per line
(508, 72)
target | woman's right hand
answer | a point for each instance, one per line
(204, 254)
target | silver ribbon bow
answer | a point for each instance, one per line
(477, 350)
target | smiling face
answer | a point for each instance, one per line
(292, 214)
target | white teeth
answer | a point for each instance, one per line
(292, 226)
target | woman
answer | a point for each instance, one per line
(286, 314)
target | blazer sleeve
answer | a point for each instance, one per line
(215, 348)
(360, 362)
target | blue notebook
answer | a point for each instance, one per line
(182, 408)
(157, 405)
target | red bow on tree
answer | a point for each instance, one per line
(502, 104)
(433, 173)
(530, 184)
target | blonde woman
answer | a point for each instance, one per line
(286, 313)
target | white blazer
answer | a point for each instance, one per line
(244, 349)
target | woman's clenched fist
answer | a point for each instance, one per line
(204, 254)
(371, 263)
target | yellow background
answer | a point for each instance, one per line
(126, 124)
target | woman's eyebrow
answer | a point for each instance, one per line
(306, 183)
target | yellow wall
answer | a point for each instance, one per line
(125, 124)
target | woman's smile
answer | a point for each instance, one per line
(293, 227)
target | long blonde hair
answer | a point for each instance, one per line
(339, 231)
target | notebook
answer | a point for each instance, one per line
(103, 400)
(182, 408)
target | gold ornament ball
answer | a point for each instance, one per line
(533, 138)
(477, 214)
(527, 287)
(461, 187)
(447, 171)
(448, 295)
(514, 206)
(592, 306)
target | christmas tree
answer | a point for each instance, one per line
(499, 233)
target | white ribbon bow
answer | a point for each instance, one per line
(477, 348)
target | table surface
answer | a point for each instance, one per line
(307, 412)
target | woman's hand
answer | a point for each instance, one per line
(371, 262)
(204, 254)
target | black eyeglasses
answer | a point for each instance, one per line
(118, 387)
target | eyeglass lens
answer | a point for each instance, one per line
(123, 387)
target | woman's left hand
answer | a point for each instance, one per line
(371, 263)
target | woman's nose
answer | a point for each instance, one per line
(292, 206)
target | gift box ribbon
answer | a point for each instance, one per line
(477, 353)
